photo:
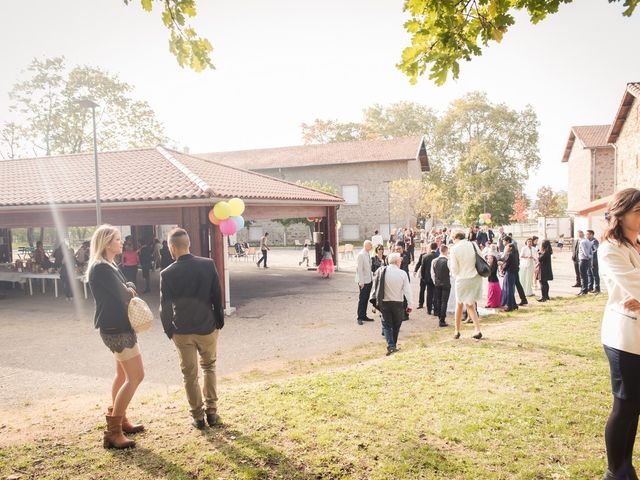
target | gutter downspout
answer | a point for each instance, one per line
(592, 194)
(615, 167)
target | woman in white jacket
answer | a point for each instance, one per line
(619, 256)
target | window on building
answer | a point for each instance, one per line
(350, 194)
(350, 232)
(384, 230)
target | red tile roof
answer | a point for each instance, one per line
(631, 92)
(150, 174)
(591, 136)
(379, 150)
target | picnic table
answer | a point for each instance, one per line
(29, 276)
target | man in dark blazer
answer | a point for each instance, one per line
(192, 314)
(426, 282)
(576, 260)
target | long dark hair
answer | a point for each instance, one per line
(546, 247)
(621, 203)
(327, 246)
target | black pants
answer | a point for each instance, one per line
(423, 289)
(585, 274)
(263, 257)
(363, 300)
(620, 435)
(440, 302)
(576, 266)
(431, 290)
(392, 317)
(523, 297)
(65, 280)
(544, 286)
(595, 274)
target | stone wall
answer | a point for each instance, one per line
(628, 145)
(371, 210)
(603, 181)
(579, 191)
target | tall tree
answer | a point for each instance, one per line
(444, 32)
(550, 203)
(486, 152)
(51, 121)
(10, 140)
(396, 120)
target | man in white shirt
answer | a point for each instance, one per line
(392, 289)
(364, 279)
(377, 239)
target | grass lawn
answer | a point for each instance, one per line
(529, 401)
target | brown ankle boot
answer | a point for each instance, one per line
(127, 426)
(113, 436)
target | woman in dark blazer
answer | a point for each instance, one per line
(112, 295)
(546, 272)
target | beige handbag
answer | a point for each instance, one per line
(140, 315)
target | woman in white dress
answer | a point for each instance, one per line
(468, 284)
(527, 265)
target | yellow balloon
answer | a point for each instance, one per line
(237, 207)
(222, 210)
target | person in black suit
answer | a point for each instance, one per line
(192, 314)
(426, 282)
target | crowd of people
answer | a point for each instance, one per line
(448, 274)
(145, 256)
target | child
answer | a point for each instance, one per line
(494, 293)
(305, 254)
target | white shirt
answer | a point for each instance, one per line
(620, 268)
(462, 260)
(305, 252)
(397, 286)
(526, 252)
(363, 269)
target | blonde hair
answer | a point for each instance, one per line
(100, 240)
(179, 238)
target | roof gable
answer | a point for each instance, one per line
(151, 174)
(630, 94)
(378, 150)
(590, 136)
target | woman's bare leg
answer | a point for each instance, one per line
(134, 374)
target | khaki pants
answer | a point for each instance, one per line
(189, 346)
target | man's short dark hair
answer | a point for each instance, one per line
(433, 246)
(400, 244)
(444, 249)
(178, 237)
(375, 232)
(591, 232)
(508, 239)
(266, 234)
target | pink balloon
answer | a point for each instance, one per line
(228, 226)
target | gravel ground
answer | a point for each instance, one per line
(50, 350)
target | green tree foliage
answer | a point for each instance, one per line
(50, 120)
(475, 148)
(550, 203)
(485, 149)
(396, 120)
(444, 32)
(189, 49)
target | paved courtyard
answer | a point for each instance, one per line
(49, 348)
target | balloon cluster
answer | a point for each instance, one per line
(228, 216)
(484, 218)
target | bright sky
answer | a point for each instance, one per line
(284, 62)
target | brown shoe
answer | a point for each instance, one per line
(113, 436)
(127, 426)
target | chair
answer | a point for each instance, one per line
(348, 251)
(232, 252)
(341, 250)
(253, 253)
(297, 243)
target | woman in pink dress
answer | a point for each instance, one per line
(494, 293)
(325, 269)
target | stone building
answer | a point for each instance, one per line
(590, 160)
(620, 167)
(359, 171)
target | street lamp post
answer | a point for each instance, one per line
(388, 182)
(88, 103)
